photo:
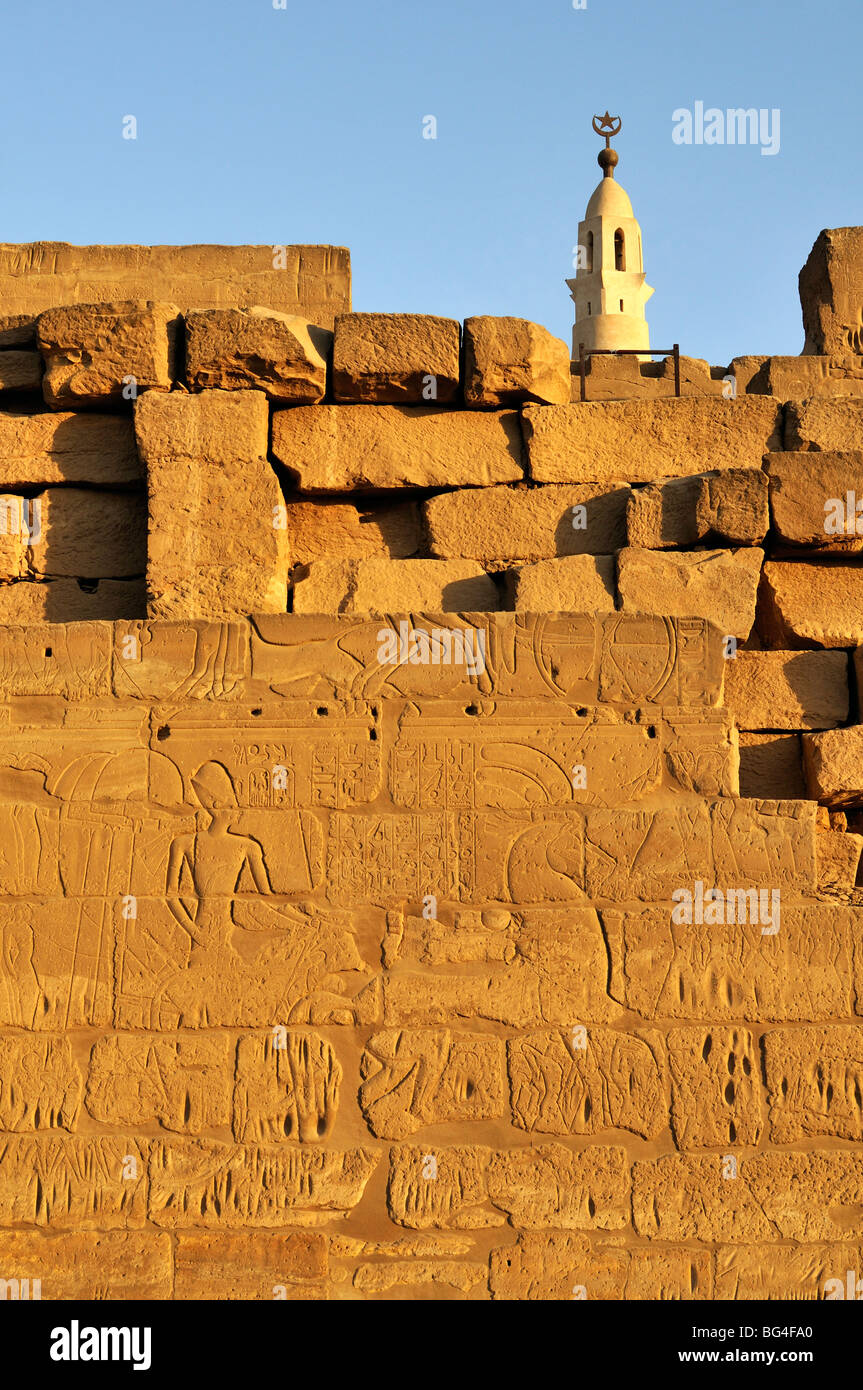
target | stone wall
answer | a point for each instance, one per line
(431, 815)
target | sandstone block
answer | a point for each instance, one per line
(254, 1265)
(20, 524)
(216, 545)
(502, 523)
(286, 1088)
(90, 535)
(66, 448)
(813, 1080)
(613, 1081)
(74, 1184)
(508, 361)
(40, 1084)
(395, 359)
(785, 1273)
(750, 374)
(812, 1196)
(20, 371)
(718, 584)
(831, 291)
(68, 601)
(17, 331)
(334, 448)
(785, 690)
(202, 1183)
(771, 765)
(838, 854)
(380, 586)
(312, 281)
(574, 583)
(414, 1077)
(809, 499)
(730, 507)
(833, 764)
(811, 605)
(715, 1087)
(183, 1084)
(733, 972)
(823, 425)
(322, 530)
(593, 441)
(88, 1265)
(99, 352)
(799, 378)
(563, 1265)
(280, 354)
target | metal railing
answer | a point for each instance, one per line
(625, 352)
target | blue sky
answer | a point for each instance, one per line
(304, 124)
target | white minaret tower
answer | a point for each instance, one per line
(609, 289)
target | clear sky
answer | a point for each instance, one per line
(305, 124)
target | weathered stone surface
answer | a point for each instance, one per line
(611, 378)
(395, 359)
(66, 601)
(216, 546)
(280, 354)
(593, 441)
(546, 1186)
(838, 854)
(732, 507)
(90, 535)
(811, 1196)
(66, 448)
(258, 1265)
(497, 524)
(823, 426)
(40, 1084)
(183, 1084)
(786, 1272)
(787, 690)
(73, 1184)
(814, 1078)
(197, 1182)
(574, 583)
(833, 764)
(287, 1087)
(337, 448)
(563, 1265)
(831, 292)
(733, 972)
(718, 584)
(87, 1265)
(596, 1079)
(729, 507)
(810, 605)
(320, 530)
(809, 498)
(380, 585)
(20, 524)
(100, 352)
(508, 361)
(715, 1087)
(414, 1077)
(20, 371)
(772, 765)
(17, 331)
(312, 281)
(799, 378)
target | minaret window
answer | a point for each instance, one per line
(588, 306)
(590, 250)
(621, 306)
(619, 254)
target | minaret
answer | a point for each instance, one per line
(609, 288)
